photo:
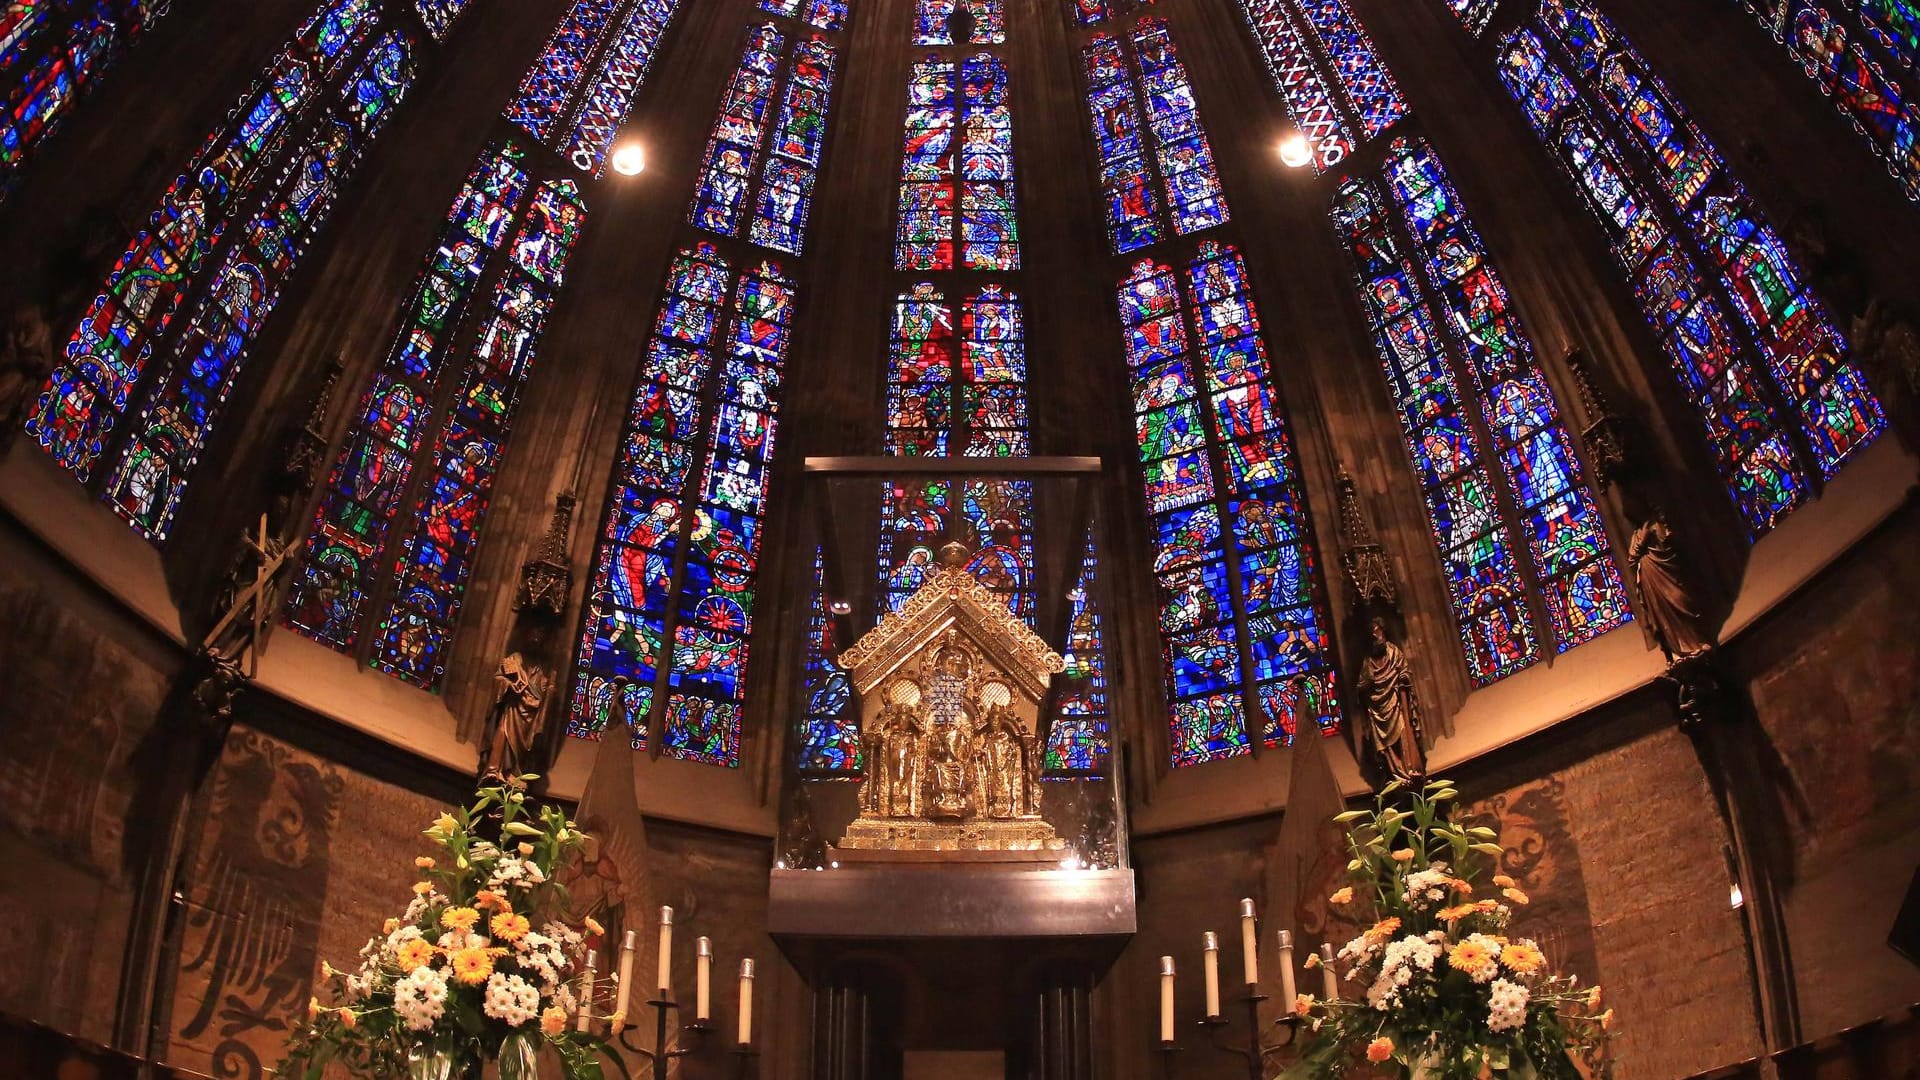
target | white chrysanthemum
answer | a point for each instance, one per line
(1384, 994)
(420, 998)
(1492, 946)
(510, 1000)
(418, 907)
(1506, 1006)
(566, 936)
(1425, 888)
(401, 936)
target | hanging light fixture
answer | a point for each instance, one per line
(630, 159)
(1295, 150)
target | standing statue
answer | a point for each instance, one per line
(26, 357)
(1003, 765)
(1393, 709)
(518, 715)
(873, 757)
(901, 736)
(1668, 610)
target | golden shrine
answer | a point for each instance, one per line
(950, 688)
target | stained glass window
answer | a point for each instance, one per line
(1474, 14)
(1088, 12)
(344, 555)
(829, 737)
(984, 233)
(578, 93)
(958, 394)
(164, 444)
(1168, 131)
(227, 232)
(1481, 423)
(1337, 103)
(1079, 743)
(933, 22)
(439, 15)
(51, 54)
(828, 15)
(678, 558)
(1242, 620)
(1671, 208)
(783, 147)
(1834, 52)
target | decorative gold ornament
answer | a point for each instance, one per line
(950, 689)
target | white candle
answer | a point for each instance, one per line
(746, 1002)
(1249, 943)
(1287, 990)
(665, 982)
(1210, 964)
(584, 1014)
(703, 979)
(1329, 986)
(1166, 1000)
(626, 983)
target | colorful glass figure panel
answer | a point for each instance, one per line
(51, 55)
(107, 358)
(957, 194)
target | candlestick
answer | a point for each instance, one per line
(665, 982)
(703, 979)
(1249, 943)
(1329, 986)
(746, 1001)
(1287, 991)
(625, 988)
(585, 1013)
(1166, 1000)
(1210, 957)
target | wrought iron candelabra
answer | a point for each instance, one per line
(1254, 1053)
(660, 1057)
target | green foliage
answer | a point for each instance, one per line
(1449, 995)
(485, 914)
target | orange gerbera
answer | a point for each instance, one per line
(1522, 958)
(1503, 881)
(508, 926)
(462, 919)
(1404, 855)
(347, 1019)
(414, 954)
(1461, 886)
(472, 966)
(1456, 913)
(1469, 958)
(593, 927)
(1484, 906)
(1379, 1049)
(423, 863)
(1344, 896)
(1302, 1005)
(1516, 896)
(1383, 930)
(487, 898)
(1313, 961)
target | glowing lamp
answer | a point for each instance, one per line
(1295, 151)
(630, 160)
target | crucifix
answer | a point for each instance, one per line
(268, 557)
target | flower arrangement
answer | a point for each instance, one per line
(462, 975)
(1449, 994)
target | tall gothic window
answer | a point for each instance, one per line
(967, 100)
(392, 544)
(1337, 91)
(1509, 508)
(1242, 622)
(1146, 123)
(1844, 48)
(50, 55)
(958, 394)
(781, 146)
(828, 15)
(579, 91)
(438, 15)
(829, 734)
(671, 601)
(173, 322)
(1473, 14)
(1079, 741)
(933, 22)
(1751, 346)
